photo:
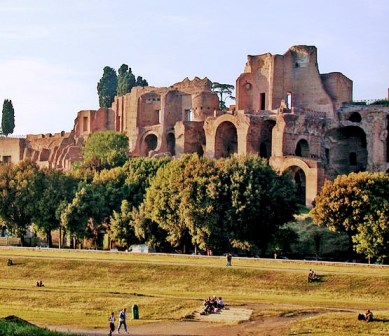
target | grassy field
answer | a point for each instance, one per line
(82, 287)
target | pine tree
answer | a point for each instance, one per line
(8, 118)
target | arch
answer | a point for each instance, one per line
(226, 140)
(355, 117)
(171, 143)
(299, 178)
(306, 177)
(150, 143)
(302, 148)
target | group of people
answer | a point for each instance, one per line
(312, 276)
(122, 321)
(40, 283)
(212, 305)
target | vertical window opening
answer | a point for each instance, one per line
(262, 102)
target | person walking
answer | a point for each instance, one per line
(111, 320)
(122, 320)
(229, 258)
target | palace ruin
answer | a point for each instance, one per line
(286, 111)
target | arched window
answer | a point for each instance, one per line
(302, 148)
(226, 141)
(355, 117)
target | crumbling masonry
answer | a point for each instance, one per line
(286, 111)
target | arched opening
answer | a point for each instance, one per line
(299, 178)
(355, 117)
(151, 142)
(171, 143)
(302, 148)
(226, 141)
(259, 138)
(347, 150)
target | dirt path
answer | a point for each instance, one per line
(235, 321)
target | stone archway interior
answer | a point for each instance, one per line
(151, 142)
(171, 144)
(302, 148)
(226, 142)
(300, 180)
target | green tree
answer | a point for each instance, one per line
(224, 91)
(201, 205)
(126, 80)
(8, 118)
(104, 150)
(163, 199)
(358, 205)
(258, 201)
(139, 172)
(107, 86)
(121, 226)
(141, 82)
(54, 189)
(18, 195)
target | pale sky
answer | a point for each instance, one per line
(52, 52)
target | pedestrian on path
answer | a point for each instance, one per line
(111, 320)
(229, 258)
(122, 320)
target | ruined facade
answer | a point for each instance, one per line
(286, 111)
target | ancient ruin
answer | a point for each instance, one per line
(286, 111)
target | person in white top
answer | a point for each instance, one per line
(111, 320)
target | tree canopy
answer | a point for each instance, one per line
(357, 204)
(239, 202)
(112, 84)
(18, 195)
(258, 201)
(8, 118)
(104, 150)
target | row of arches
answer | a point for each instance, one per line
(345, 149)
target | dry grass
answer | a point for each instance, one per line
(81, 288)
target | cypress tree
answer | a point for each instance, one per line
(106, 87)
(8, 118)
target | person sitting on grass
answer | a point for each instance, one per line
(312, 276)
(207, 307)
(368, 316)
(220, 303)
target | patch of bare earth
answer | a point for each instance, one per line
(233, 321)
